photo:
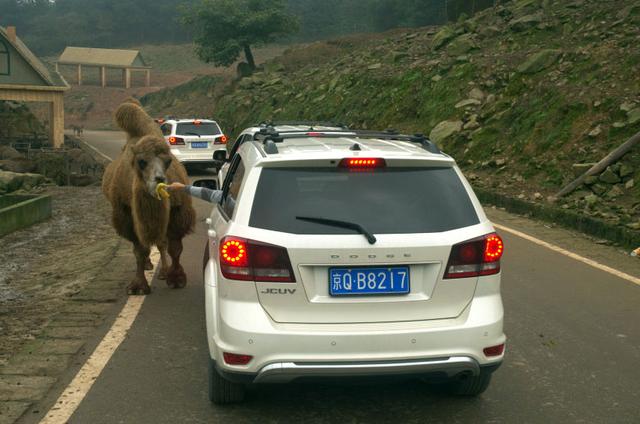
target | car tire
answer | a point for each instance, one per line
(221, 390)
(470, 385)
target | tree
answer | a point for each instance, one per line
(223, 29)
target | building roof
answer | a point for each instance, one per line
(102, 57)
(50, 77)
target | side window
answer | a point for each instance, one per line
(236, 145)
(5, 62)
(166, 129)
(232, 187)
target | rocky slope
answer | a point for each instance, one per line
(524, 95)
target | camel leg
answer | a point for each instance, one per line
(164, 262)
(148, 266)
(176, 277)
(139, 284)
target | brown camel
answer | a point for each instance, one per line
(130, 182)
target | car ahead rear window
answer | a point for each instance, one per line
(200, 129)
(384, 201)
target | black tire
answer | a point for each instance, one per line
(221, 390)
(470, 385)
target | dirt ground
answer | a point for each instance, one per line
(45, 265)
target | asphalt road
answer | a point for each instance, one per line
(573, 356)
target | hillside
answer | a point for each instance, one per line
(524, 95)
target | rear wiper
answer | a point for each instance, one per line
(192, 133)
(341, 224)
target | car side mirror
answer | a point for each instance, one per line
(220, 155)
(210, 184)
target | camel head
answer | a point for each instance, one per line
(151, 159)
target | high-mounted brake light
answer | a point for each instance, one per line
(362, 163)
(474, 258)
(196, 122)
(249, 260)
(176, 141)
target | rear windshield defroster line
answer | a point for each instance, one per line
(384, 201)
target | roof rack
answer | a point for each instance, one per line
(309, 124)
(268, 135)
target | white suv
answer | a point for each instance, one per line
(194, 141)
(338, 253)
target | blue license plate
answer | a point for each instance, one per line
(364, 281)
(199, 145)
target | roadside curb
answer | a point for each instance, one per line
(567, 219)
(34, 369)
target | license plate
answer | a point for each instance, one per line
(199, 145)
(365, 281)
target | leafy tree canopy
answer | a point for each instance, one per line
(223, 29)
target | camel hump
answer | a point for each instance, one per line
(132, 119)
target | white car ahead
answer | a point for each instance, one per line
(338, 253)
(194, 141)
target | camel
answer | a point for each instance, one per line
(130, 183)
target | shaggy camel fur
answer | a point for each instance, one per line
(130, 182)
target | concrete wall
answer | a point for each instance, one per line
(18, 212)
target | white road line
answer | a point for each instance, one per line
(571, 255)
(76, 391)
(102, 155)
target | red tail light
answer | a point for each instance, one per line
(236, 359)
(494, 350)
(362, 163)
(221, 140)
(249, 260)
(176, 141)
(475, 257)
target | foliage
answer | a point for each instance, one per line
(225, 28)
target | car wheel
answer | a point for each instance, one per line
(221, 390)
(470, 385)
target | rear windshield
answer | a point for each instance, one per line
(200, 129)
(385, 201)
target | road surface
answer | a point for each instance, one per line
(573, 353)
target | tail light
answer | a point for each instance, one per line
(362, 163)
(475, 257)
(236, 359)
(176, 141)
(494, 350)
(221, 140)
(249, 260)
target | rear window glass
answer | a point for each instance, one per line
(385, 201)
(201, 129)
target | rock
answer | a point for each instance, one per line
(477, 94)
(80, 180)
(633, 116)
(591, 180)
(525, 22)
(19, 165)
(627, 106)
(374, 66)
(436, 78)
(467, 102)
(581, 168)
(538, 196)
(609, 177)
(12, 181)
(595, 132)
(616, 191)
(634, 226)
(625, 170)
(471, 125)
(444, 130)
(462, 45)
(539, 61)
(244, 70)
(443, 37)
(629, 184)
(591, 199)
(599, 189)
(500, 162)
(7, 152)
(398, 56)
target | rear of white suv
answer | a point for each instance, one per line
(341, 257)
(194, 141)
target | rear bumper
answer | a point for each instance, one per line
(437, 369)
(196, 156)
